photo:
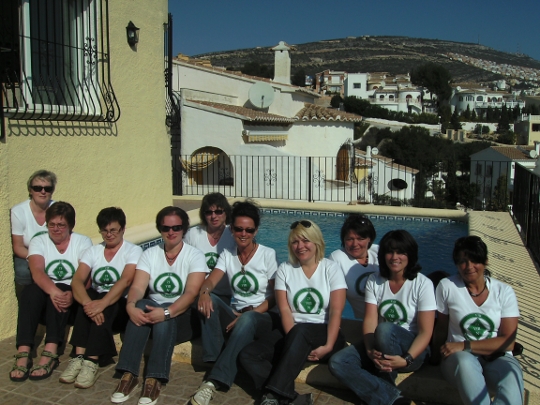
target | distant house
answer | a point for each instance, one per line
(494, 167)
(478, 98)
(527, 129)
(330, 81)
(227, 117)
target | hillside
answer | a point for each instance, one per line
(375, 54)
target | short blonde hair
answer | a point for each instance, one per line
(312, 233)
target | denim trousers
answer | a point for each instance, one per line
(476, 378)
(36, 306)
(356, 370)
(249, 325)
(96, 339)
(299, 342)
(163, 341)
(213, 328)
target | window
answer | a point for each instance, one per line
(357, 85)
(479, 169)
(391, 96)
(536, 127)
(489, 170)
(57, 63)
(381, 96)
(460, 98)
(479, 98)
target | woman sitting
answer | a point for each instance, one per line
(111, 267)
(397, 328)
(213, 236)
(53, 258)
(173, 273)
(28, 221)
(478, 315)
(357, 259)
(250, 269)
(310, 292)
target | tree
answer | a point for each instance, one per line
(436, 78)
(507, 137)
(500, 195)
(454, 121)
(504, 123)
(467, 113)
(257, 69)
(474, 117)
(299, 78)
(336, 100)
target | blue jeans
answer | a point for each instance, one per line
(213, 328)
(475, 378)
(163, 341)
(356, 370)
(249, 325)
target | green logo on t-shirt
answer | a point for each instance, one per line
(477, 326)
(38, 233)
(245, 285)
(308, 301)
(360, 284)
(169, 285)
(393, 311)
(211, 260)
(105, 277)
(60, 270)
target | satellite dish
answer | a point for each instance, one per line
(375, 151)
(458, 173)
(261, 95)
(533, 154)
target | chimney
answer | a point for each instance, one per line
(537, 148)
(282, 63)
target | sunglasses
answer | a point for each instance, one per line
(239, 230)
(37, 189)
(175, 228)
(305, 224)
(210, 212)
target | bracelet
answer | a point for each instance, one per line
(467, 346)
(408, 358)
(206, 291)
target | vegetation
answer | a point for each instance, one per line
(434, 77)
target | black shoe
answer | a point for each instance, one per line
(402, 401)
(303, 399)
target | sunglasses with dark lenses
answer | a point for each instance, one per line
(239, 230)
(210, 212)
(175, 228)
(37, 189)
(305, 224)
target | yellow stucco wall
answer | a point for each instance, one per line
(126, 164)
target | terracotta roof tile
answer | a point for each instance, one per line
(312, 112)
(519, 153)
(247, 114)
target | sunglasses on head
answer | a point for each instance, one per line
(305, 224)
(248, 230)
(210, 212)
(175, 228)
(37, 189)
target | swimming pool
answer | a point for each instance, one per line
(435, 237)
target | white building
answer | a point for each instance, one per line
(479, 98)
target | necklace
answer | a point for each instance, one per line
(479, 294)
(243, 263)
(172, 259)
(218, 233)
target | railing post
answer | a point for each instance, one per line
(310, 191)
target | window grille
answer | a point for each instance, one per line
(54, 61)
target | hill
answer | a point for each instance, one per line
(394, 55)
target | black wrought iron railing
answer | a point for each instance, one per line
(377, 180)
(54, 61)
(526, 208)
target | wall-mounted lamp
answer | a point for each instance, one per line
(132, 34)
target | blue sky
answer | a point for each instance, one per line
(217, 25)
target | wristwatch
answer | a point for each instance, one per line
(408, 358)
(467, 346)
(167, 314)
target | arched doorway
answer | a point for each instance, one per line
(342, 169)
(209, 166)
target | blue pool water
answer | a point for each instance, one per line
(435, 237)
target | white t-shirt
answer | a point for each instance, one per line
(468, 321)
(401, 308)
(23, 222)
(103, 273)
(60, 267)
(250, 288)
(356, 276)
(197, 237)
(167, 283)
(309, 298)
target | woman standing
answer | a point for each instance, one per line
(310, 292)
(173, 273)
(28, 221)
(478, 315)
(213, 236)
(357, 259)
(110, 266)
(397, 328)
(53, 258)
(250, 269)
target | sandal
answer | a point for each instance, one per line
(24, 369)
(48, 367)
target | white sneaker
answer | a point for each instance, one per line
(88, 375)
(204, 394)
(72, 370)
